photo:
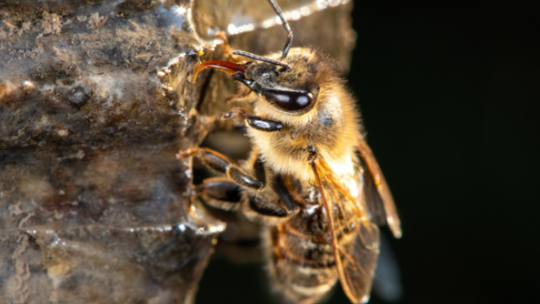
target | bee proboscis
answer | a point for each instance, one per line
(311, 178)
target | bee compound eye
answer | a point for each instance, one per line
(289, 101)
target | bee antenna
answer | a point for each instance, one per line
(279, 12)
(260, 58)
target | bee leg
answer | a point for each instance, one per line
(261, 209)
(269, 208)
(221, 164)
(255, 122)
(226, 46)
(221, 193)
(284, 194)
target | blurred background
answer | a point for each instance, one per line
(447, 92)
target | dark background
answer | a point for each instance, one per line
(448, 92)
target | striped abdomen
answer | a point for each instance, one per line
(301, 256)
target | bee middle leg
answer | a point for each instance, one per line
(221, 164)
(224, 194)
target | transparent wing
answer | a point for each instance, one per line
(387, 282)
(357, 250)
(378, 197)
(373, 200)
(358, 266)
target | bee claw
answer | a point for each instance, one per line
(185, 154)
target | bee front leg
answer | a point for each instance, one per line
(226, 46)
(255, 122)
(221, 164)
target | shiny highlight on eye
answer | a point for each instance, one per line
(290, 101)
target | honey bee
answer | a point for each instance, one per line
(311, 178)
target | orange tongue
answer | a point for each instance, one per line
(225, 66)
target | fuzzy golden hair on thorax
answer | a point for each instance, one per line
(330, 125)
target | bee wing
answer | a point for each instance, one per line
(356, 266)
(378, 197)
(356, 259)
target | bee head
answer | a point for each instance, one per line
(290, 89)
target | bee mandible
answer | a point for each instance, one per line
(311, 178)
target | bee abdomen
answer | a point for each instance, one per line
(304, 268)
(304, 284)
